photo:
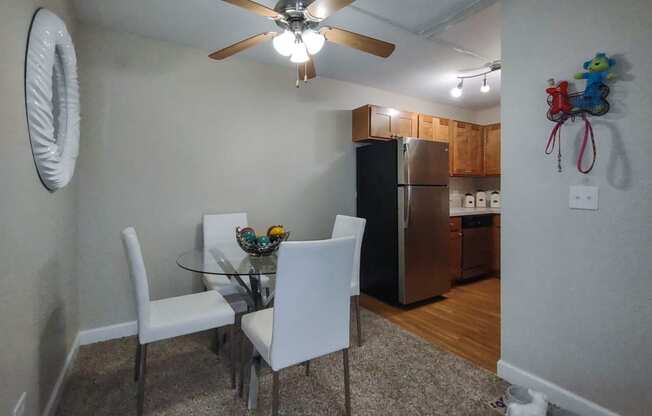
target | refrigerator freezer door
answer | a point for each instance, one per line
(422, 162)
(423, 242)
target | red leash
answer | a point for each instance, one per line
(555, 137)
(555, 140)
(588, 132)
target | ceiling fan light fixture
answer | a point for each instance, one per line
(300, 54)
(284, 43)
(314, 41)
(457, 91)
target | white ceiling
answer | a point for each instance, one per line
(421, 66)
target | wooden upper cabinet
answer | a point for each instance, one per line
(381, 122)
(467, 149)
(426, 130)
(404, 124)
(372, 122)
(433, 128)
(442, 132)
(476, 151)
(492, 150)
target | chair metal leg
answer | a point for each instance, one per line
(307, 364)
(234, 364)
(218, 341)
(141, 380)
(347, 383)
(356, 302)
(275, 398)
(245, 364)
(137, 361)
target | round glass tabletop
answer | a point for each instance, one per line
(227, 260)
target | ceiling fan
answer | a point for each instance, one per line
(302, 36)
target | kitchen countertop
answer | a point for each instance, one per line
(461, 212)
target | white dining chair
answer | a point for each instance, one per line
(352, 226)
(219, 229)
(172, 317)
(311, 312)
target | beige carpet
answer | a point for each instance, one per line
(393, 373)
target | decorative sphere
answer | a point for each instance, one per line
(263, 241)
(276, 231)
(248, 234)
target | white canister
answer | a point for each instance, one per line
(481, 199)
(494, 200)
(469, 201)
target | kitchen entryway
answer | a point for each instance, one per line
(465, 321)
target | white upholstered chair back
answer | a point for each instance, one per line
(351, 226)
(220, 228)
(311, 308)
(138, 273)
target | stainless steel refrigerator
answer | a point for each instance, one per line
(402, 191)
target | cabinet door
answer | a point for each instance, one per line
(441, 129)
(492, 149)
(381, 122)
(460, 148)
(495, 244)
(476, 151)
(426, 128)
(404, 124)
(455, 255)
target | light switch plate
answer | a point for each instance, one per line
(583, 197)
(19, 410)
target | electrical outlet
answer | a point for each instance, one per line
(583, 197)
(19, 409)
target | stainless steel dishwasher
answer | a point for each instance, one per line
(476, 245)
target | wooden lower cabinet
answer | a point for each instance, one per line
(455, 252)
(495, 244)
(455, 249)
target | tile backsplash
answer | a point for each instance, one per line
(462, 185)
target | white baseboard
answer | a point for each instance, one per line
(106, 333)
(53, 402)
(556, 394)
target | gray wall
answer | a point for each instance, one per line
(576, 286)
(38, 237)
(168, 135)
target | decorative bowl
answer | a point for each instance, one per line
(260, 246)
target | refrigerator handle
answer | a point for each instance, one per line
(407, 206)
(406, 162)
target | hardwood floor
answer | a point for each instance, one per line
(466, 322)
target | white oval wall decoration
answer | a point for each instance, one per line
(52, 99)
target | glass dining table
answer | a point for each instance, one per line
(229, 260)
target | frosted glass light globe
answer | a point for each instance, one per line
(284, 43)
(314, 41)
(456, 92)
(300, 54)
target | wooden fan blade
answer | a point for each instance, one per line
(358, 41)
(307, 70)
(241, 46)
(254, 7)
(321, 9)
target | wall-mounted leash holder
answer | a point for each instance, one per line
(565, 105)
